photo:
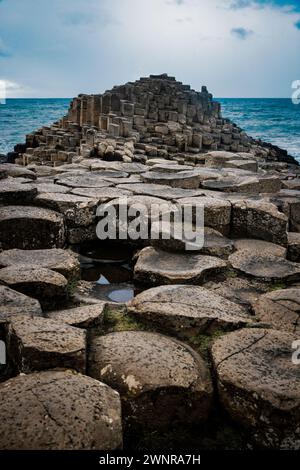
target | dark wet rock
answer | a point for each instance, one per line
(13, 303)
(88, 316)
(293, 250)
(258, 219)
(3, 173)
(49, 287)
(259, 385)
(162, 382)
(187, 310)
(27, 227)
(264, 266)
(65, 262)
(41, 343)
(155, 267)
(280, 309)
(13, 192)
(59, 410)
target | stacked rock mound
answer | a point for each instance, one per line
(212, 331)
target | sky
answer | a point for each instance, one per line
(237, 48)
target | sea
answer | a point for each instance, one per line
(273, 120)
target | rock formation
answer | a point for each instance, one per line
(209, 332)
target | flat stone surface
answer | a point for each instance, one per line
(131, 168)
(88, 316)
(51, 188)
(217, 213)
(12, 192)
(17, 171)
(160, 267)
(65, 262)
(14, 303)
(78, 210)
(280, 309)
(259, 385)
(59, 410)
(87, 180)
(187, 310)
(41, 343)
(161, 191)
(161, 381)
(102, 194)
(43, 284)
(267, 267)
(259, 247)
(184, 179)
(259, 219)
(27, 227)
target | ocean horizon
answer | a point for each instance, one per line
(274, 120)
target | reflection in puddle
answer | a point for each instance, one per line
(108, 266)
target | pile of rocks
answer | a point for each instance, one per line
(212, 329)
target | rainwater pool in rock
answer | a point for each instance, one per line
(107, 266)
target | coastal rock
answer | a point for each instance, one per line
(264, 266)
(12, 192)
(77, 210)
(88, 316)
(30, 228)
(13, 303)
(259, 385)
(280, 309)
(17, 171)
(259, 247)
(64, 262)
(181, 179)
(162, 382)
(51, 188)
(258, 219)
(89, 180)
(45, 285)
(155, 267)
(59, 410)
(102, 195)
(187, 310)
(41, 343)
(217, 213)
(160, 191)
(293, 250)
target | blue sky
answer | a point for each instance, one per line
(238, 48)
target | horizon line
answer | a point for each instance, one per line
(214, 98)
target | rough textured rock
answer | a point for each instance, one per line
(259, 385)
(162, 382)
(13, 192)
(30, 228)
(187, 310)
(90, 180)
(88, 316)
(280, 309)
(65, 262)
(217, 213)
(14, 303)
(17, 171)
(59, 410)
(267, 267)
(260, 247)
(102, 194)
(49, 287)
(155, 267)
(181, 179)
(258, 219)
(293, 251)
(41, 343)
(160, 191)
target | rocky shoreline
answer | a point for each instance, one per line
(200, 354)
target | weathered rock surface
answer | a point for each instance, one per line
(47, 286)
(155, 267)
(102, 194)
(181, 179)
(258, 219)
(65, 262)
(162, 382)
(59, 410)
(160, 191)
(187, 310)
(90, 180)
(30, 228)
(259, 247)
(293, 250)
(280, 309)
(259, 385)
(88, 316)
(16, 171)
(267, 267)
(13, 192)
(14, 303)
(41, 343)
